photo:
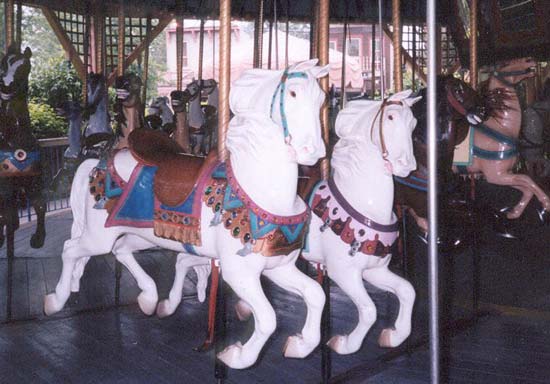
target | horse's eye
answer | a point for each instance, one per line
(292, 93)
(390, 117)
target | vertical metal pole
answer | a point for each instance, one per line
(326, 362)
(473, 44)
(225, 76)
(18, 20)
(314, 32)
(323, 34)
(201, 49)
(146, 59)
(276, 22)
(10, 254)
(344, 52)
(414, 55)
(179, 53)
(121, 35)
(9, 14)
(373, 60)
(220, 320)
(99, 42)
(258, 35)
(381, 50)
(397, 62)
(432, 194)
(287, 28)
(86, 52)
(270, 44)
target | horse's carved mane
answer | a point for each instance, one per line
(495, 99)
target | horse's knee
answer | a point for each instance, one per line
(405, 292)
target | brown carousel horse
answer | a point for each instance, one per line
(458, 106)
(20, 170)
(495, 147)
(129, 111)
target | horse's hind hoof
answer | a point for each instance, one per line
(544, 216)
(502, 226)
(37, 240)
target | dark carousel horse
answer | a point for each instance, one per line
(129, 111)
(458, 106)
(97, 137)
(160, 116)
(20, 169)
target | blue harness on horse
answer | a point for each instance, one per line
(500, 138)
(281, 89)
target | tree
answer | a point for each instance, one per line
(55, 79)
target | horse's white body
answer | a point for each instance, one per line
(267, 169)
(365, 180)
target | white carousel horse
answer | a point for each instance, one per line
(353, 226)
(276, 127)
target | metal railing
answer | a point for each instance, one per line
(57, 196)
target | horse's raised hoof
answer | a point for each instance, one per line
(544, 216)
(340, 345)
(147, 303)
(37, 239)
(297, 348)
(51, 304)
(243, 310)
(502, 225)
(389, 338)
(231, 356)
(164, 309)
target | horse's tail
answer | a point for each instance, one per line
(78, 199)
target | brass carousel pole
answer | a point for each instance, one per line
(18, 21)
(397, 62)
(99, 41)
(224, 76)
(314, 32)
(258, 35)
(120, 51)
(86, 52)
(323, 34)
(343, 74)
(146, 59)
(373, 60)
(9, 17)
(179, 53)
(473, 44)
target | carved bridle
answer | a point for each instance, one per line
(502, 75)
(281, 90)
(380, 113)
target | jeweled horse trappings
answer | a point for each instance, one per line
(20, 169)
(129, 113)
(353, 228)
(244, 212)
(457, 105)
(495, 147)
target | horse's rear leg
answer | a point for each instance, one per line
(291, 279)
(386, 280)
(123, 251)
(185, 261)
(39, 204)
(350, 281)
(244, 279)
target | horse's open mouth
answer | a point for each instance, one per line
(122, 93)
(6, 96)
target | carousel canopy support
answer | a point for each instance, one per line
(179, 53)
(323, 34)
(146, 60)
(9, 15)
(66, 43)
(343, 80)
(201, 48)
(18, 21)
(138, 50)
(98, 41)
(397, 49)
(121, 39)
(314, 32)
(473, 43)
(224, 76)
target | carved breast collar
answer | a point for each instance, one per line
(360, 232)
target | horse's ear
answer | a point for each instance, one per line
(27, 53)
(411, 100)
(319, 72)
(401, 95)
(303, 65)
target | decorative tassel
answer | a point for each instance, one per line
(246, 250)
(217, 218)
(355, 245)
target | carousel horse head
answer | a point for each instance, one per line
(14, 73)
(179, 100)
(128, 88)
(194, 88)
(383, 127)
(96, 89)
(209, 85)
(514, 71)
(291, 100)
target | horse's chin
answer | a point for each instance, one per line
(402, 171)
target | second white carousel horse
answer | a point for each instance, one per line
(353, 227)
(252, 219)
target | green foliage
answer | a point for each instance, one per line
(38, 35)
(53, 81)
(2, 28)
(45, 123)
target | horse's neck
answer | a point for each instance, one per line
(196, 117)
(17, 123)
(509, 120)
(99, 120)
(181, 134)
(213, 98)
(270, 183)
(166, 114)
(368, 188)
(132, 114)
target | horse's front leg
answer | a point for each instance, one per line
(185, 261)
(123, 251)
(386, 280)
(349, 279)
(291, 279)
(39, 204)
(243, 275)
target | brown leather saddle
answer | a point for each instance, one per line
(177, 172)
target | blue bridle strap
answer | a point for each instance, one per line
(494, 155)
(281, 89)
(497, 136)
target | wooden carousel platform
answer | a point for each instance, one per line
(93, 341)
